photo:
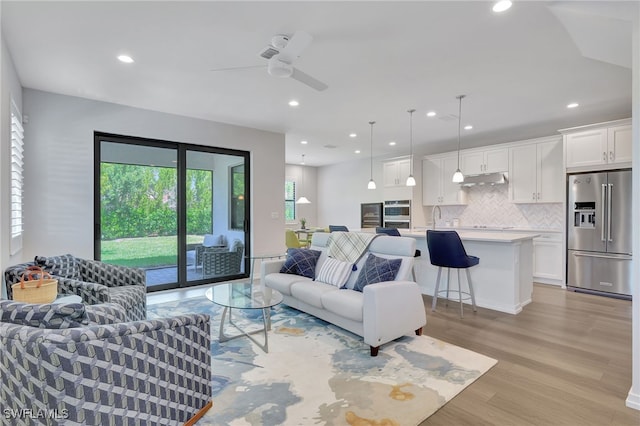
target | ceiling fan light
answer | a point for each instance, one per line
(411, 181)
(458, 177)
(278, 68)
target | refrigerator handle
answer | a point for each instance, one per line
(603, 209)
(609, 197)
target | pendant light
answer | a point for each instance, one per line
(411, 180)
(458, 177)
(372, 184)
(303, 199)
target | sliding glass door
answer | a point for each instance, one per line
(175, 210)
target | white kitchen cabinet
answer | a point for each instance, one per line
(489, 161)
(548, 259)
(437, 187)
(596, 147)
(536, 173)
(395, 173)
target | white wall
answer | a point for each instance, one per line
(60, 162)
(9, 87)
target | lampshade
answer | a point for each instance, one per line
(411, 180)
(372, 183)
(303, 199)
(458, 177)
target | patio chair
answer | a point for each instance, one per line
(223, 262)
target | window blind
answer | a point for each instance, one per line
(17, 180)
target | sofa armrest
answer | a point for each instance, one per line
(91, 293)
(270, 267)
(140, 370)
(391, 309)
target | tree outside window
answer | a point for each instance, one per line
(289, 201)
(237, 197)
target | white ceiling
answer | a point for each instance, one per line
(518, 69)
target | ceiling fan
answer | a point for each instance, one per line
(281, 54)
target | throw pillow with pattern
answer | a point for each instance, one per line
(301, 262)
(377, 269)
(334, 272)
(63, 266)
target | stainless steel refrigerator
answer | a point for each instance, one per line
(599, 232)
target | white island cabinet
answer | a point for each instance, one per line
(502, 281)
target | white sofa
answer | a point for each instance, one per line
(381, 313)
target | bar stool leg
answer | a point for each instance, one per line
(473, 297)
(460, 295)
(446, 302)
(435, 293)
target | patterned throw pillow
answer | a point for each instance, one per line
(377, 269)
(63, 266)
(52, 316)
(334, 272)
(301, 262)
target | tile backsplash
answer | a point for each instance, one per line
(489, 206)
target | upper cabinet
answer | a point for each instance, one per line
(475, 162)
(437, 187)
(396, 172)
(597, 147)
(536, 173)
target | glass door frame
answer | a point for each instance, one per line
(181, 167)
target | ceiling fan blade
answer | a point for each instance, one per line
(308, 80)
(296, 45)
(239, 68)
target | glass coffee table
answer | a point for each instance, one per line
(244, 296)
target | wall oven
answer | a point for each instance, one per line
(397, 214)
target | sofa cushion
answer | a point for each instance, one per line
(50, 315)
(311, 292)
(283, 282)
(63, 266)
(377, 269)
(345, 303)
(301, 262)
(334, 272)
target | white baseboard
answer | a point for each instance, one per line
(633, 400)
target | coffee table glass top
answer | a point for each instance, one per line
(243, 296)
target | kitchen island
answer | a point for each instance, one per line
(503, 281)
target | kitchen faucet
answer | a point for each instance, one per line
(433, 215)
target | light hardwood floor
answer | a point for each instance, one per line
(564, 360)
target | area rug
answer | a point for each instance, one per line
(318, 374)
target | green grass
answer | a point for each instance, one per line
(146, 252)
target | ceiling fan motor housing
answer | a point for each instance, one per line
(280, 41)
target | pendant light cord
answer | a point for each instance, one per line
(460, 97)
(411, 111)
(371, 167)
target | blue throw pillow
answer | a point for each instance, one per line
(301, 262)
(377, 269)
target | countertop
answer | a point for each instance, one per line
(486, 236)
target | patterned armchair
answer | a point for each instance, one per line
(224, 262)
(94, 281)
(55, 360)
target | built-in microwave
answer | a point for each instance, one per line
(397, 214)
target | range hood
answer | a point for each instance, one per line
(497, 178)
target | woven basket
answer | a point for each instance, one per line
(35, 286)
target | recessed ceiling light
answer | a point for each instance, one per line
(501, 6)
(294, 103)
(304, 142)
(352, 135)
(126, 59)
(357, 151)
(392, 143)
(573, 105)
(431, 114)
(468, 127)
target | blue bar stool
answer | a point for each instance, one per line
(393, 232)
(338, 228)
(446, 251)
